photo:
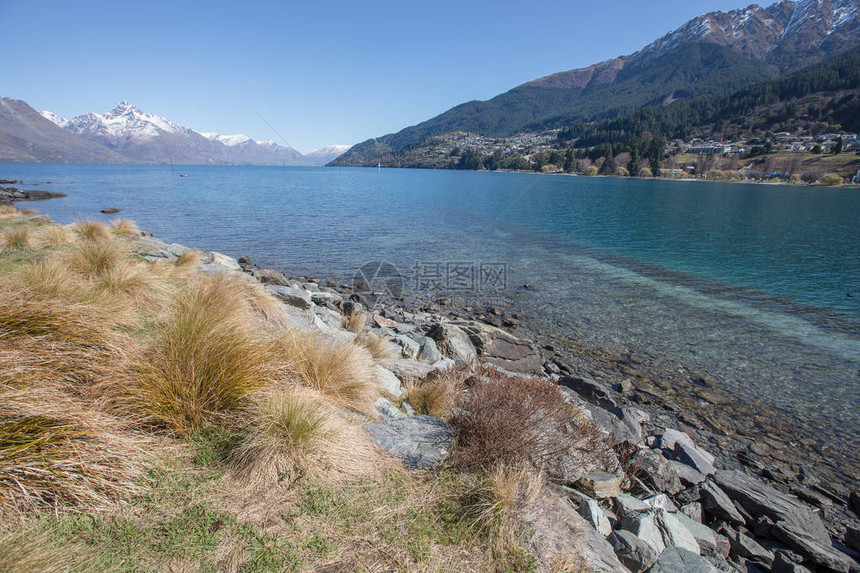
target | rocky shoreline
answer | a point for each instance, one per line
(10, 194)
(670, 505)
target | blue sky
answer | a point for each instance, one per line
(318, 72)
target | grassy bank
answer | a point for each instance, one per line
(154, 417)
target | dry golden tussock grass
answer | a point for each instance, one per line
(378, 346)
(124, 227)
(133, 281)
(342, 372)
(288, 430)
(203, 362)
(55, 452)
(190, 258)
(94, 257)
(9, 212)
(355, 322)
(52, 236)
(435, 394)
(91, 230)
(34, 551)
(15, 238)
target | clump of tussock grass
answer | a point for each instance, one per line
(125, 227)
(267, 310)
(91, 230)
(189, 258)
(45, 340)
(93, 257)
(435, 394)
(491, 508)
(9, 212)
(203, 362)
(354, 322)
(52, 236)
(57, 453)
(34, 551)
(15, 238)
(378, 346)
(342, 372)
(133, 281)
(287, 432)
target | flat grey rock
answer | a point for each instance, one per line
(387, 410)
(678, 560)
(745, 546)
(389, 382)
(670, 437)
(292, 296)
(590, 390)
(705, 536)
(656, 471)
(694, 457)
(633, 553)
(824, 555)
(717, 504)
(421, 442)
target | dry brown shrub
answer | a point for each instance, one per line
(519, 421)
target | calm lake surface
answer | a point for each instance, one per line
(755, 286)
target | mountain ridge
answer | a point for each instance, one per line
(734, 48)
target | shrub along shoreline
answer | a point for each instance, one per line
(167, 409)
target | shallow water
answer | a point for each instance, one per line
(747, 284)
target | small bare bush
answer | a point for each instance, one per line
(520, 421)
(342, 372)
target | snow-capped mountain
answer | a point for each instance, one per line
(149, 138)
(786, 34)
(325, 154)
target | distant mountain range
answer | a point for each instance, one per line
(126, 134)
(714, 54)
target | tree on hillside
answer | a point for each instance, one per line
(837, 149)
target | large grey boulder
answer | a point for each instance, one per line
(655, 471)
(671, 437)
(428, 352)
(634, 553)
(455, 343)
(389, 382)
(643, 524)
(705, 537)
(409, 347)
(694, 457)
(590, 390)
(679, 560)
(824, 555)
(292, 296)
(407, 368)
(593, 513)
(496, 346)
(387, 410)
(421, 442)
(689, 475)
(744, 546)
(717, 504)
(675, 534)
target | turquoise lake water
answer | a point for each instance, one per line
(749, 284)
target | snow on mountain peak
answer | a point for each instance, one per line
(56, 119)
(236, 139)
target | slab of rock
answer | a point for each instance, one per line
(689, 475)
(428, 352)
(717, 504)
(679, 560)
(455, 343)
(675, 534)
(655, 470)
(409, 348)
(405, 368)
(389, 382)
(557, 529)
(692, 510)
(758, 498)
(387, 410)
(386, 322)
(800, 540)
(705, 537)
(626, 504)
(745, 546)
(590, 390)
(671, 437)
(634, 553)
(503, 349)
(694, 457)
(593, 513)
(421, 442)
(661, 501)
(292, 296)
(852, 538)
(643, 524)
(599, 484)
(785, 563)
